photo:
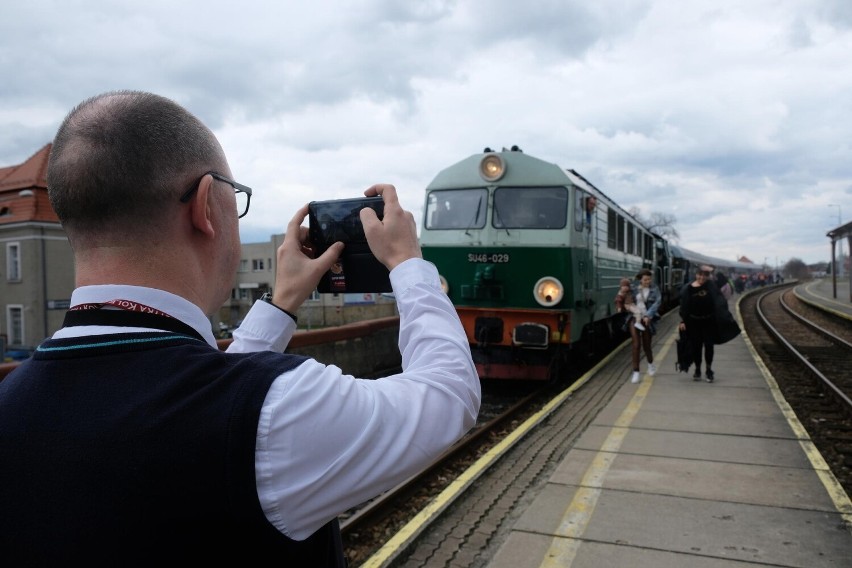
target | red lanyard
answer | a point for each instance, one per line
(128, 314)
(121, 304)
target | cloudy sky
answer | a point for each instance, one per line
(733, 116)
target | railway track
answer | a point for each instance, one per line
(809, 353)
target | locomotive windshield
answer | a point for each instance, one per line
(530, 208)
(456, 209)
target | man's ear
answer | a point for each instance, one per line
(200, 207)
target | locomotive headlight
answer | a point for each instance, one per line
(492, 167)
(445, 286)
(548, 291)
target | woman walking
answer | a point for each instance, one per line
(647, 296)
(705, 317)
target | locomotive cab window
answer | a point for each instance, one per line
(530, 208)
(456, 209)
(584, 210)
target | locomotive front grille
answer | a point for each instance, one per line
(532, 335)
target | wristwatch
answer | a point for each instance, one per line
(267, 297)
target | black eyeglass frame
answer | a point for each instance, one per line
(238, 188)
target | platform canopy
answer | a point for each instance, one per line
(837, 234)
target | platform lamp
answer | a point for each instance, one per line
(839, 266)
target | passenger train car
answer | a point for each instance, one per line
(686, 262)
(531, 256)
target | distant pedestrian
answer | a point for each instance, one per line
(724, 285)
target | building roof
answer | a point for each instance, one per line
(32, 173)
(23, 191)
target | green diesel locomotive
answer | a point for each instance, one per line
(531, 256)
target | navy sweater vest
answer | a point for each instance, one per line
(130, 449)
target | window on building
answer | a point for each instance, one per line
(257, 264)
(243, 265)
(13, 262)
(15, 324)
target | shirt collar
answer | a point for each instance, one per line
(172, 304)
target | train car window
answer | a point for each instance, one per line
(611, 229)
(456, 208)
(631, 238)
(619, 224)
(530, 208)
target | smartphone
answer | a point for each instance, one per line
(357, 270)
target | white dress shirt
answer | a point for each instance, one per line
(327, 441)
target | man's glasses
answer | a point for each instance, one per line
(242, 192)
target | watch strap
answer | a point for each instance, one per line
(267, 297)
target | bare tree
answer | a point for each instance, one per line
(662, 224)
(796, 268)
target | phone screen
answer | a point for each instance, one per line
(357, 270)
(340, 220)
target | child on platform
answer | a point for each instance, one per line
(625, 303)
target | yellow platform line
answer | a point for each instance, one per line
(835, 490)
(564, 546)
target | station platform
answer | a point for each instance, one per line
(829, 294)
(679, 473)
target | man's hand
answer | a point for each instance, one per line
(297, 274)
(392, 240)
